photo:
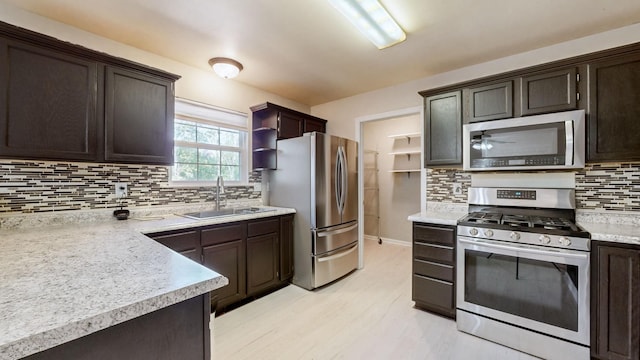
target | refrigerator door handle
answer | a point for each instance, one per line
(345, 184)
(338, 231)
(340, 179)
(338, 255)
(337, 182)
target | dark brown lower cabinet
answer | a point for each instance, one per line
(262, 255)
(286, 247)
(433, 282)
(227, 259)
(615, 297)
(179, 331)
(186, 243)
(256, 256)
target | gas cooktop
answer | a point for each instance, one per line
(520, 222)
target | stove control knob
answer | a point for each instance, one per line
(544, 239)
(473, 231)
(488, 233)
(564, 241)
(514, 235)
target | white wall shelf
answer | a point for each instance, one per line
(404, 170)
(404, 150)
(407, 171)
(407, 135)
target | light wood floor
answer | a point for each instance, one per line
(367, 315)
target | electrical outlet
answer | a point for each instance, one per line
(257, 187)
(121, 190)
(457, 188)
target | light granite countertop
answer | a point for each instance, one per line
(62, 282)
(613, 226)
(441, 213)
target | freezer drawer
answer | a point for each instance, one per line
(332, 238)
(333, 265)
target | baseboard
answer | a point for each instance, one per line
(387, 240)
(371, 237)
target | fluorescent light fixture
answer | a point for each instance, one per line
(225, 68)
(373, 20)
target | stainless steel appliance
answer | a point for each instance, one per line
(550, 141)
(317, 175)
(523, 271)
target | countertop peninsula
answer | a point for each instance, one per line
(60, 283)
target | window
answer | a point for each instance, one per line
(208, 143)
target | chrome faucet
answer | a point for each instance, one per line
(219, 190)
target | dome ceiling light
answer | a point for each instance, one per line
(225, 68)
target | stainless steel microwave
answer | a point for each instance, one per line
(550, 141)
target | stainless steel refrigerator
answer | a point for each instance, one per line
(317, 175)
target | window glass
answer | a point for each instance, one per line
(205, 149)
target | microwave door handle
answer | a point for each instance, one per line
(568, 130)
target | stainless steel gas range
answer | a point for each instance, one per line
(523, 271)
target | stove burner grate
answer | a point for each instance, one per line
(553, 223)
(516, 220)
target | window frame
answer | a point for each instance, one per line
(204, 114)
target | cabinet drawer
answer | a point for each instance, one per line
(222, 234)
(433, 234)
(180, 242)
(434, 270)
(433, 252)
(261, 227)
(433, 292)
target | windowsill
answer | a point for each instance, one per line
(208, 184)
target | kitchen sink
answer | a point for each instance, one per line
(209, 214)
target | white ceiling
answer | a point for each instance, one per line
(307, 52)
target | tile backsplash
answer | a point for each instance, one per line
(612, 186)
(41, 186)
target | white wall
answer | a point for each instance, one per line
(399, 193)
(343, 113)
(196, 84)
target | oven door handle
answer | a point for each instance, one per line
(524, 248)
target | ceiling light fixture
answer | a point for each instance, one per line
(225, 67)
(373, 20)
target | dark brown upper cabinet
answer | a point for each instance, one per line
(271, 122)
(311, 125)
(289, 125)
(49, 103)
(549, 91)
(64, 102)
(138, 117)
(489, 102)
(614, 109)
(443, 129)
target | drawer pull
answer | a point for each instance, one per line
(434, 263)
(436, 280)
(436, 246)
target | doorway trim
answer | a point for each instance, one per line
(360, 122)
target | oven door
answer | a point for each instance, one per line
(541, 289)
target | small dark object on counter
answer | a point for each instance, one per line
(121, 214)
